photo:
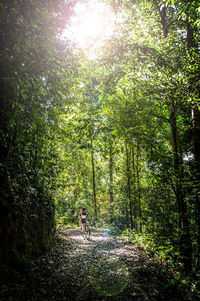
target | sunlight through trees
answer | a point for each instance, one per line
(100, 109)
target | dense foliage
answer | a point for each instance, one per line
(119, 134)
(32, 69)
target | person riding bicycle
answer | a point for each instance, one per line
(82, 216)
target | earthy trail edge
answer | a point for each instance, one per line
(75, 270)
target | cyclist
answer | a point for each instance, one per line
(82, 216)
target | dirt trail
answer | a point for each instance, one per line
(102, 268)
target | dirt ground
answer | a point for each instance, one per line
(101, 268)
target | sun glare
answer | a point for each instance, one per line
(92, 24)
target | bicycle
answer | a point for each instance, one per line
(85, 230)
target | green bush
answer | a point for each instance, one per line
(163, 251)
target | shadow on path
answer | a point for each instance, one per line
(101, 268)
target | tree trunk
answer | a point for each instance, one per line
(35, 148)
(134, 191)
(192, 45)
(196, 149)
(185, 239)
(162, 10)
(76, 187)
(138, 188)
(129, 186)
(111, 178)
(93, 182)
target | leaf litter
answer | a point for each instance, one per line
(101, 268)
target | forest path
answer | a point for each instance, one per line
(107, 269)
(102, 268)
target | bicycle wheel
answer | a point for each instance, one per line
(83, 229)
(87, 232)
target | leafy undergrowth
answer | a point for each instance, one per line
(102, 268)
(168, 257)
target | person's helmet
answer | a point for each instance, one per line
(83, 208)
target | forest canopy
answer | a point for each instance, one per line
(100, 109)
